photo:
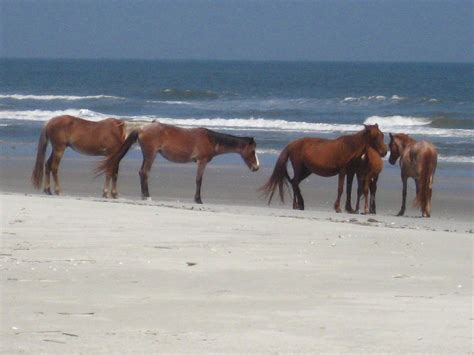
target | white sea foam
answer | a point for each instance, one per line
(169, 102)
(42, 115)
(416, 126)
(397, 120)
(456, 159)
(394, 124)
(58, 97)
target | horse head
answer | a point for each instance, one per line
(249, 154)
(376, 139)
(395, 148)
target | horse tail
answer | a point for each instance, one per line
(428, 168)
(37, 175)
(112, 161)
(279, 178)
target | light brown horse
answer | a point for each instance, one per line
(367, 169)
(418, 160)
(181, 145)
(324, 157)
(91, 138)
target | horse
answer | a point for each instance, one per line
(324, 157)
(91, 138)
(367, 169)
(418, 160)
(181, 145)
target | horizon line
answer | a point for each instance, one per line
(240, 60)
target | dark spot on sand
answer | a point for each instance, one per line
(190, 263)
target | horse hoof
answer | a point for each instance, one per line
(338, 210)
(400, 214)
(198, 201)
(47, 191)
(105, 195)
(115, 196)
(146, 198)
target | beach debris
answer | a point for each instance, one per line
(54, 341)
(189, 263)
(14, 328)
(459, 286)
(401, 276)
(372, 220)
(70, 334)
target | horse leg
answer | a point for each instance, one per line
(114, 192)
(340, 190)
(201, 165)
(47, 174)
(105, 190)
(404, 195)
(300, 173)
(350, 178)
(58, 154)
(366, 194)
(360, 182)
(148, 158)
(373, 191)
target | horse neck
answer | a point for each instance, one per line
(405, 143)
(356, 145)
(226, 143)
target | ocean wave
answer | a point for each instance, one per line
(394, 124)
(416, 126)
(178, 94)
(372, 98)
(397, 120)
(456, 159)
(44, 115)
(59, 97)
(169, 102)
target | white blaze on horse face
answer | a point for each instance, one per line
(257, 163)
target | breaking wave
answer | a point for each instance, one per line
(59, 97)
(395, 124)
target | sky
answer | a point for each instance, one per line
(336, 30)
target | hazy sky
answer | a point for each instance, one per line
(414, 30)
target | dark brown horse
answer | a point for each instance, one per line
(324, 157)
(367, 169)
(181, 145)
(418, 160)
(91, 138)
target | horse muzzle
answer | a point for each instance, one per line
(254, 167)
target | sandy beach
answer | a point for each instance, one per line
(81, 274)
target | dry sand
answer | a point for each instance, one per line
(85, 275)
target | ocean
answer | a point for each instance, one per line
(275, 102)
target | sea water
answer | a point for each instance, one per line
(275, 102)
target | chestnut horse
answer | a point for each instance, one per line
(367, 169)
(324, 157)
(181, 145)
(91, 138)
(418, 160)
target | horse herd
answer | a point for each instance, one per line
(358, 154)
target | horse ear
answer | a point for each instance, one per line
(391, 135)
(252, 140)
(366, 126)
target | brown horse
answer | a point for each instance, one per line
(91, 138)
(324, 157)
(367, 169)
(181, 145)
(418, 160)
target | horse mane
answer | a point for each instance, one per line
(352, 140)
(405, 139)
(227, 140)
